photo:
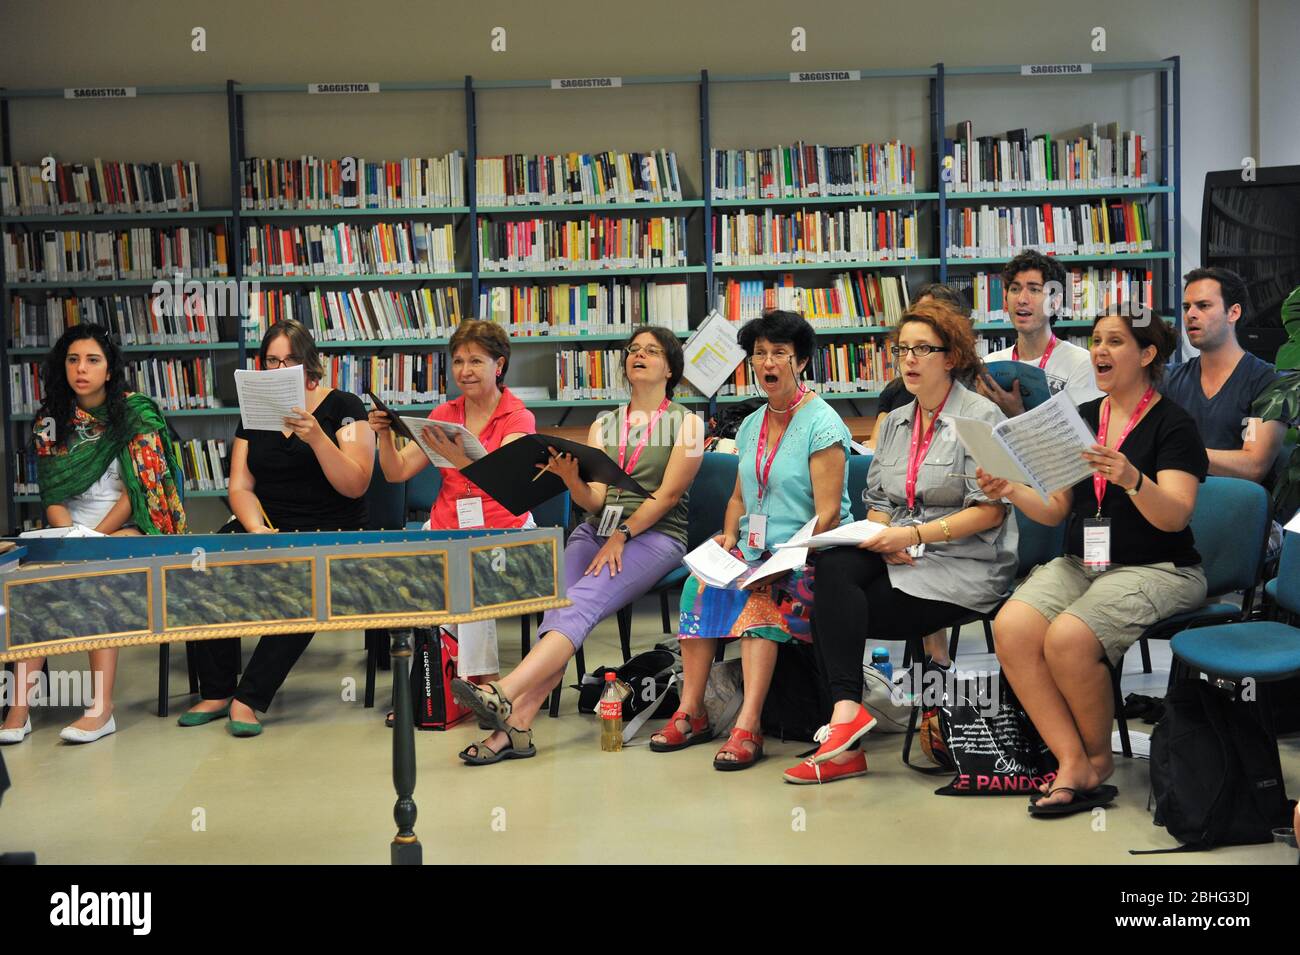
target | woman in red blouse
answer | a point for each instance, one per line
(480, 357)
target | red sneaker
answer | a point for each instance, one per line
(836, 738)
(808, 772)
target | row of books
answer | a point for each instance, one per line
(1089, 293)
(352, 182)
(1016, 161)
(1086, 229)
(771, 237)
(133, 319)
(397, 379)
(594, 242)
(84, 255)
(343, 248)
(358, 314)
(98, 187)
(1229, 238)
(833, 369)
(562, 178)
(592, 308)
(177, 384)
(805, 170)
(206, 464)
(853, 299)
(989, 344)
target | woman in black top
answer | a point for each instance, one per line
(1130, 560)
(312, 476)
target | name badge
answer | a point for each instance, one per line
(904, 517)
(469, 512)
(757, 536)
(609, 519)
(1096, 543)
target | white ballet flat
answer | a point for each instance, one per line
(74, 735)
(16, 735)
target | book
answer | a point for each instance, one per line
(1041, 448)
(804, 170)
(82, 255)
(852, 300)
(566, 178)
(1032, 380)
(101, 186)
(593, 242)
(352, 182)
(589, 308)
(814, 235)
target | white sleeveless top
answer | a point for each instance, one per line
(93, 504)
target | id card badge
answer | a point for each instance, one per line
(609, 519)
(757, 535)
(1096, 543)
(469, 512)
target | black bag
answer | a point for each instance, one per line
(798, 702)
(649, 676)
(1216, 776)
(999, 754)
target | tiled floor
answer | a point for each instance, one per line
(316, 787)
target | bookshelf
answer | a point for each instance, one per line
(910, 105)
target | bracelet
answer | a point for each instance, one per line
(917, 529)
(947, 533)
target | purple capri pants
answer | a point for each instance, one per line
(646, 558)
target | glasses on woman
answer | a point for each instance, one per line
(272, 362)
(920, 351)
(759, 359)
(650, 351)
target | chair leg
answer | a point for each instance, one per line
(663, 611)
(372, 664)
(1119, 712)
(720, 652)
(988, 636)
(192, 665)
(912, 721)
(1146, 654)
(625, 632)
(525, 636)
(907, 655)
(164, 673)
(952, 642)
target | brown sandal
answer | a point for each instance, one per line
(520, 746)
(744, 758)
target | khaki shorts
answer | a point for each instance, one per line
(1117, 604)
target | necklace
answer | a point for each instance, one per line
(797, 398)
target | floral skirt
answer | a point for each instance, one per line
(777, 611)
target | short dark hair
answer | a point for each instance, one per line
(780, 328)
(944, 292)
(1049, 268)
(489, 336)
(1232, 287)
(1149, 330)
(301, 345)
(673, 353)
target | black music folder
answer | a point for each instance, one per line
(507, 474)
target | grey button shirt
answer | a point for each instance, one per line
(974, 571)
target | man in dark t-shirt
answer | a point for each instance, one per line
(1219, 386)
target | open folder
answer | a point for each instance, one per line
(509, 474)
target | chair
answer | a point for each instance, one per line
(386, 510)
(1230, 525)
(421, 491)
(556, 512)
(709, 493)
(859, 465)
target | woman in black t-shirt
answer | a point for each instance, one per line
(312, 476)
(1130, 561)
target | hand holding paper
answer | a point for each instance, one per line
(266, 398)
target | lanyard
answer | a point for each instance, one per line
(763, 470)
(1103, 427)
(627, 427)
(920, 448)
(1042, 362)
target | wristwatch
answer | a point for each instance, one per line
(1133, 491)
(627, 531)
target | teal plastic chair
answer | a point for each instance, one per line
(859, 465)
(421, 491)
(709, 494)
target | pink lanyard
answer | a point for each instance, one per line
(1042, 362)
(1103, 429)
(627, 427)
(762, 472)
(919, 449)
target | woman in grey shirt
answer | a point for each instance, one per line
(948, 550)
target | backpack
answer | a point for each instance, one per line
(1216, 776)
(651, 678)
(798, 702)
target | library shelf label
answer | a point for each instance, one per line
(98, 92)
(1055, 69)
(342, 87)
(827, 76)
(587, 83)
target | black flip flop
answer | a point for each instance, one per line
(1103, 795)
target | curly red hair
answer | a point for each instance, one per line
(954, 331)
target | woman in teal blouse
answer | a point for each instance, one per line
(792, 469)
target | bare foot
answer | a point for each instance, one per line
(749, 745)
(495, 743)
(1081, 779)
(683, 727)
(209, 706)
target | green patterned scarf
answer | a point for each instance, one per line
(147, 461)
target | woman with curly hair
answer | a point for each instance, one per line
(105, 461)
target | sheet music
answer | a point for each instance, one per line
(791, 556)
(845, 535)
(266, 398)
(75, 530)
(471, 445)
(1047, 441)
(713, 565)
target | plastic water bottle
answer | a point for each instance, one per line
(610, 712)
(880, 661)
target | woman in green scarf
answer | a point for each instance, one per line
(105, 462)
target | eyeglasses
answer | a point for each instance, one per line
(780, 357)
(650, 351)
(272, 362)
(920, 351)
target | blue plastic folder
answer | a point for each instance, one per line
(1033, 382)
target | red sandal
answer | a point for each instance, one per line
(675, 739)
(744, 758)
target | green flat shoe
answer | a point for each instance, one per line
(199, 718)
(243, 730)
